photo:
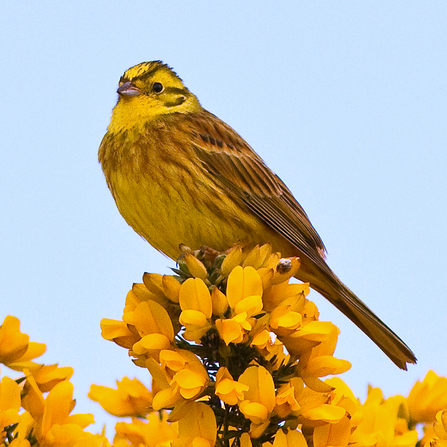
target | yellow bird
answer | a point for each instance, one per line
(180, 175)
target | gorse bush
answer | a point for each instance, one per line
(237, 356)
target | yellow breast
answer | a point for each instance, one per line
(165, 197)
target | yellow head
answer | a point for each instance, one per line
(147, 91)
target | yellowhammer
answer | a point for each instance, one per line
(180, 175)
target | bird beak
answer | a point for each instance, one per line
(127, 89)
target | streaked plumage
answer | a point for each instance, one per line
(180, 175)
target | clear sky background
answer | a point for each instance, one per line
(345, 101)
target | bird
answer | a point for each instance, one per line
(181, 176)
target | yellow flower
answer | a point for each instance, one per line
(9, 402)
(325, 365)
(195, 267)
(180, 376)
(197, 426)
(166, 397)
(318, 361)
(243, 283)
(195, 302)
(245, 440)
(440, 430)
(20, 443)
(227, 389)
(154, 288)
(233, 330)
(343, 396)
(189, 382)
(381, 424)
(48, 376)
(249, 306)
(155, 431)
(314, 411)
(233, 258)
(287, 397)
(42, 380)
(285, 293)
(33, 400)
(259, 257)
(284, 321)
(263, 341)
(307, 337)
(321, 366)
(57, 428)
(153, 324)
(285, 268)
(135, 296)
(131, 398)
(118, 332)
(171, 288)
(259, 399)
(244, 295)
(71, 435)
(149, 317)
(338, 433)
(13, 343)
(269, 346)
(151, 345)
(16, 351)
(279, 337)
(24, 428)
(219, 300)
(293, 438)
(428, 397)
(312, 408)
(429, 435)
(333, 434)
(164, 289)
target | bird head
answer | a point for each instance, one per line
(147, 91)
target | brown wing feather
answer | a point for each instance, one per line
(229, 159)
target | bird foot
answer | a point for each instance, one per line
(205, 253)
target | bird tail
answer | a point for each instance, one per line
(347, 302)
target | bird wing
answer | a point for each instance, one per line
(230, 160)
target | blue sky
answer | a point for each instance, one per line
(345, 101)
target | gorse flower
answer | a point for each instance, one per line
(9, 402)
(427, 398)
(439, 430)
(131, 398)
(238, 357)
(16, 351)
(227, 389)
(232, 333)
(256, 345)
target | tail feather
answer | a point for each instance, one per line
(348, 303)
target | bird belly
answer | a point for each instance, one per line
(170, 213)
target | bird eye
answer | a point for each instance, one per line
(157, 87)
